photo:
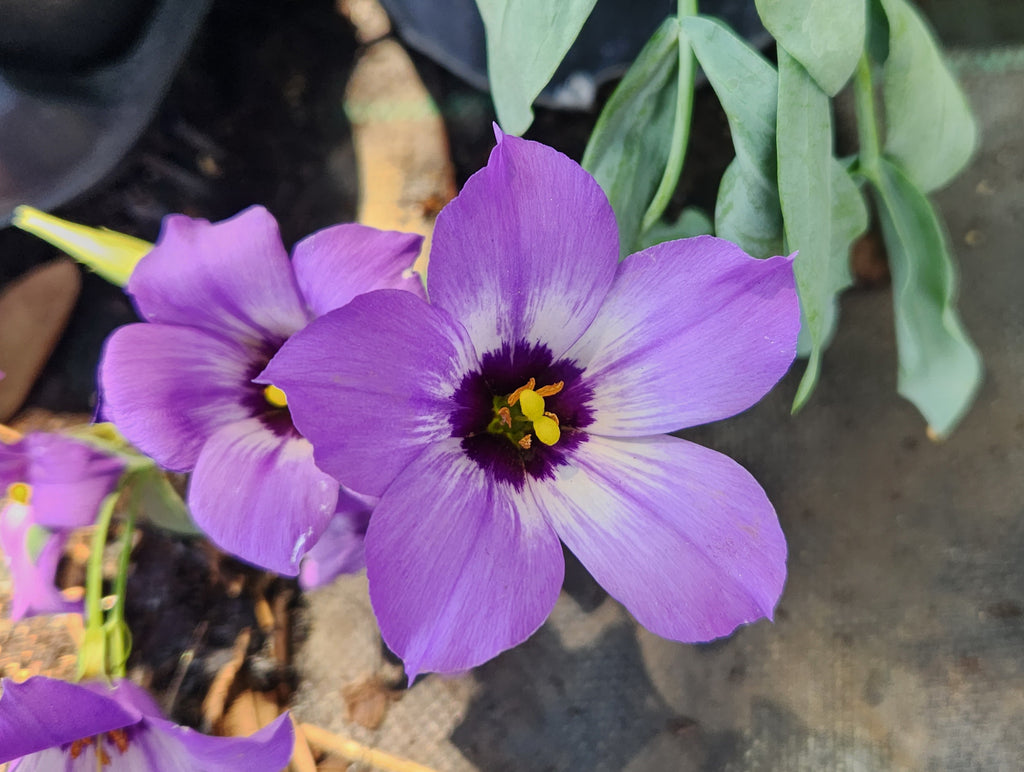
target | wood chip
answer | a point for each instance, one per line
(34, 310)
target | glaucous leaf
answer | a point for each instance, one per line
(526, 41)
(822, 209)
(747, 212)
(929, 126)
(628, 149)
(939, 367)
(690, 222)
(747, 87)
(826, 37)
(156, 501)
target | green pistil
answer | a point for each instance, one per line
(521, 425)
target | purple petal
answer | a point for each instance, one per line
(340, 549)
(526, 252)
(459, 570)
(13, 464)
(43, 713)
(259, 496)
(266, 750)
(681, 535)
(169, 388)
(69, 479)
(33, 576)
(692, 331)
(370, 384)
(232, 278)
(335, 264)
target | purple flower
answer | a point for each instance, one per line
(219, 300)
(52, 484)
(48, 725)
(526, 404)
(340, 550)
(32, 554)
(68, 479)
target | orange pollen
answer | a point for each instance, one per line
(514, 396)
(526, 441)
(552, 416)
(120, 739)
(80, 745)
(547, 391)
(505, 416)
(102, 755)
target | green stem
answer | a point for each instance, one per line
(681, 125)
(867, 123)
(94, 568)
(118, 635)
(92, 654)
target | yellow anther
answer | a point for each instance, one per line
(275, 396)
(551, 415)
(19, 492)
(546, 429)
(531, 403)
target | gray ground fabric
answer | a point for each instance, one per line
(899, 640)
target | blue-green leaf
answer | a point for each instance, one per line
(690, 222)
(747, 87)
(747, 212)
(939, 368)
(929, 126)
(825, 36)
(526, 41)
(629, 147)
(156, 501)
(822, 209)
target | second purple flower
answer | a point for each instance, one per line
(218, 302)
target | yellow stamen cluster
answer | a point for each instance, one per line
(19, 492)
(531, 402)
(275, 396)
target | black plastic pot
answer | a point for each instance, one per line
(451, 33)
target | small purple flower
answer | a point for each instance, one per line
(526, 404)
(219, 300)
(47, 725)
(33, 554)
(340, 550)
(68, 479)
(50, 484)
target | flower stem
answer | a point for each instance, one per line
(118, 634)
(867, 123)
(92, 662)
(681, 126)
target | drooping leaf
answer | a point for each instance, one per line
(747, 212)
(526, 41)
(929, 126)
(157, 502)
(825, 36)
(747, 87)
(690, 222)
(822, 209)
(628, 148)
(680, 139)
(939, 367)
(747, 208)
